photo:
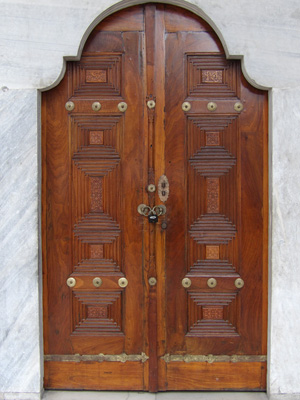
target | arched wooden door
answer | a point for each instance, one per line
(154, 114)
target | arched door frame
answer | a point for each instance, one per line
(130, 3)
(197, 11)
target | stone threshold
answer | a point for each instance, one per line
(105, 395)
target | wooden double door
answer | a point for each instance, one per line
(154, 114)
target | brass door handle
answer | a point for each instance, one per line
(152, 213)
(156, 210)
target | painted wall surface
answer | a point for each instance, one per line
(35, 36)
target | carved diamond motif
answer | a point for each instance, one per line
(97, 229)
(212, 161)
(212, 266)
(96, 161)
(96, 265)
(212, 229)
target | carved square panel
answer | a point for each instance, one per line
(95, 132)
(212, 139)
(212, 312)
(206, 154)
(212, 252)
(97, 313)
(95, 142)
(211, 76)
(207, 316)
(96, 251)
(99, 75)
(96, 137)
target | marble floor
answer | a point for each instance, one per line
(77, 395)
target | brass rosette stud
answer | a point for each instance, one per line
(238, 106)
(186, 106)
(122, 106)
(97, 282)
(211, 282)
(71, 282)
(211, 106)
(69, 105)
(123, 282)
(186, 282)
(239, 283)
(96, 106)
(151, 104)
(152, 281)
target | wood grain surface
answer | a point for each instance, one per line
(97, 166)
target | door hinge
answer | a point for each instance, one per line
(210, 358)
(97, 357)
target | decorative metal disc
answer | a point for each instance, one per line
(97, 282)
(239, 283)
(212, 282)
(71, 282)
(150, 104)
(122, 106)
(151, 188)
(70, 105)
(186, 106)
(152, 281)
(96, 106)
(211, 106)
(238, 106)
(123, 282)
(186, 282)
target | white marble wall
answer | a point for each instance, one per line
(36, 35)
(20, 368)
(284, 369)
(34, 38)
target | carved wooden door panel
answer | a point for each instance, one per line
(179, 304)
(93, 177)
(216, 240)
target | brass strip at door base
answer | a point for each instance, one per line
(97, 357)
(210, 358)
